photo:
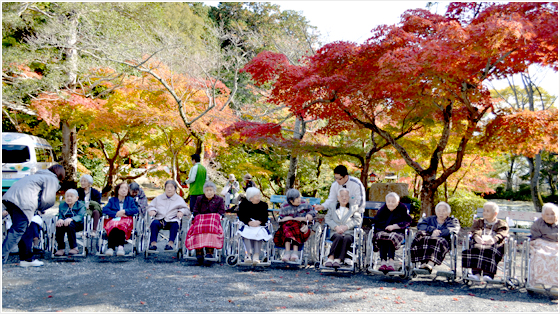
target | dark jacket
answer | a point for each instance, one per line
(113, 207)
(77, 212)
(430, 224)
(250, 184)
(398, 216)
(542, 230)
(95, 195)
(208, 206)
(248, 210)
(499, 229)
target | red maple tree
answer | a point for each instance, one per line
(427, 72)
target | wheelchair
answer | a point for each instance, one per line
(218, 255)
(307, 252)
(526, 274)
(146, 233)
(82, 239)
(506, 267)
(44, 238)
(450, 261)
(356, 254)
(402, 257)
(132, 245)
(236, 253)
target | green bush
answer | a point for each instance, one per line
(553, 198)
(415, 207)
(464, 205)
(523, 194)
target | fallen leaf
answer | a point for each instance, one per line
(280, 277)
(343, 290)
(85, 293)
(112, 286)
(297, 275)
(310, 292)
(186, 294)
(394, 288)
(230, 301)
(451, 290)
(179, 288)
(307, 273)
(412, 309)
(289, 296)
(381, 288)
(301, 294)
(142, 302)
(455, 299)
(50, 296)
(49, 291)
(283, 307)
(471, 294)
(387, 298)
(358, 288)
(492, 299)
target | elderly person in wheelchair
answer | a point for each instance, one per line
(70, 219)
(433, 240)
(206, 233)
(293, 231)
(390, 225)
(121, 209)
(544, 248)
(253, 213)
(167, 209)
(487, 244)
(341, 220)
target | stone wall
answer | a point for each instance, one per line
(378, 191)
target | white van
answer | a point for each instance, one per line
(24, 154)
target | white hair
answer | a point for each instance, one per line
(552, 207)
(492, 205)
(342, 190)
(87, 177)
(393, 194)
(445, 205)
(71, 191)
(252, 192)
(209, 184)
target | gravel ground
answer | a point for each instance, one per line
(163, 284)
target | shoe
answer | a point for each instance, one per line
(390, 268)
(207, 262)
(73, 251)
(349, 262)
(36, 243)
(286, 256)
(120, 251)
(487, 278)
(256, 262)
(168, 248)
(59, 253)
(34, 263)
(426, 267)
(248, 259)
(382, 268)
(335, 264)
(294, 257)
(473, 277)
(152, 248)
(109, 252)
(329, 263)
(200, 259)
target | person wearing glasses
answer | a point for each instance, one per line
(342, 180)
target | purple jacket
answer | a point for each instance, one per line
(208, 206)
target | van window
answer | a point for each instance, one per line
(15, 154)
(43, 154)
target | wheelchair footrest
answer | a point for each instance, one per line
(445, 273)
(419, 271)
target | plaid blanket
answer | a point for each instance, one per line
(395, 237)
(426, 248)
(483, 257)
(125, 224)
(206, 231)
(290, 230)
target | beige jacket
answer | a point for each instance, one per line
(352, 217)
(167, 207)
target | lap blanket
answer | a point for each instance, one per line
(426, 248)
(544, 263)
(290, 230)
(394, 237)
(125, 224)
(206, 231)
(485, 257)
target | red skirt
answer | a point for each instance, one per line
(290, 230)
(125, 224)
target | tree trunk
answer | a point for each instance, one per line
(69, 152)
(535, 168)
(291, 176)
(110, 178)
(509, 174)
(365, 172)
(427, 198)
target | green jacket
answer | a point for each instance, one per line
(77, 212)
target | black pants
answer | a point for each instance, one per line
(386, 249)
(340, 245)
(71, 230)
(116, 237)
(19, 234)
